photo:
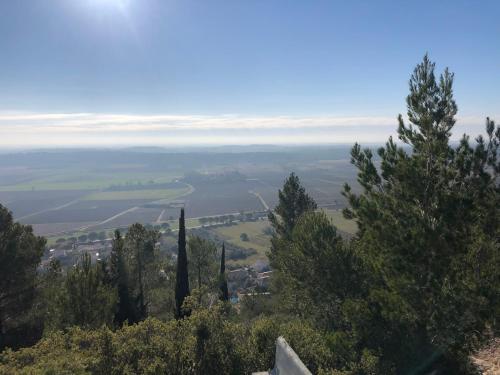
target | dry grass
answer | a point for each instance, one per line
(256, 239)
(488, 358)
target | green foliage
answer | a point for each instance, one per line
(204, 343)
(319, 272)
(428, 228)
(412, 292)
(255, 305)
(81, 298)
(119, 279)
(202, 255)
(223, 291)
(90, 302)
(182, 274)
(52, 296)
(293, 203)
(143, 270)
(419, 283)
(20, 254)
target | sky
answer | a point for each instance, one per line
(175, 72)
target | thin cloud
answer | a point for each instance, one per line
(20, 129)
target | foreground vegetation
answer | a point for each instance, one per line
(414, 291)
(208, 342)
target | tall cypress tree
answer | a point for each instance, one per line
(224, 293)
(182, 279)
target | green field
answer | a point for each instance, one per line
(256, 239)
(152, 194)
(190, 223)
(85, 180)
(348, 226)
(261, 242)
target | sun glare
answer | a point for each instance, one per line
(120, 4)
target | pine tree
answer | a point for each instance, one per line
(182, 276)
(428, 226)
(90, 302)
(140, 246)
(20, 254)
(224, 293)
(203, 262)
(293, 203)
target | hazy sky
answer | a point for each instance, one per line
(118, 72)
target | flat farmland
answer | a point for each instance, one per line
(85, 180)
(53, 229)
(66, 191)
(23, 203)
(257, 239)
(323, 184)
(85, 211)
(56, 211)
(145, 194)
(210, 199)
(137, 215)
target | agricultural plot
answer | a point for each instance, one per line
(53, 229)
(145, 194)
(85, 211)
(140, 215)
(221, 198)
(344, 225)
(257, 239)
(69, 179)
(269, 194)
(211, 199)
(65, 191)
(119, 205)
(23, 203)
(323, 184)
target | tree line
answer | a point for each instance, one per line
(134, 282)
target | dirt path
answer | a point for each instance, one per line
(160, 216)
(191, 189)
(111, 218)
(259, 197)
(488, 358)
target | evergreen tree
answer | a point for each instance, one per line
(52, 295)
(428, 232)
(90, 302)
(224, 293)
(293, 202)
(202, 254)
(120, 280)
(182, 276)
(140, 245)
(20, 254)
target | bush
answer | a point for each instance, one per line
(205, 343)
